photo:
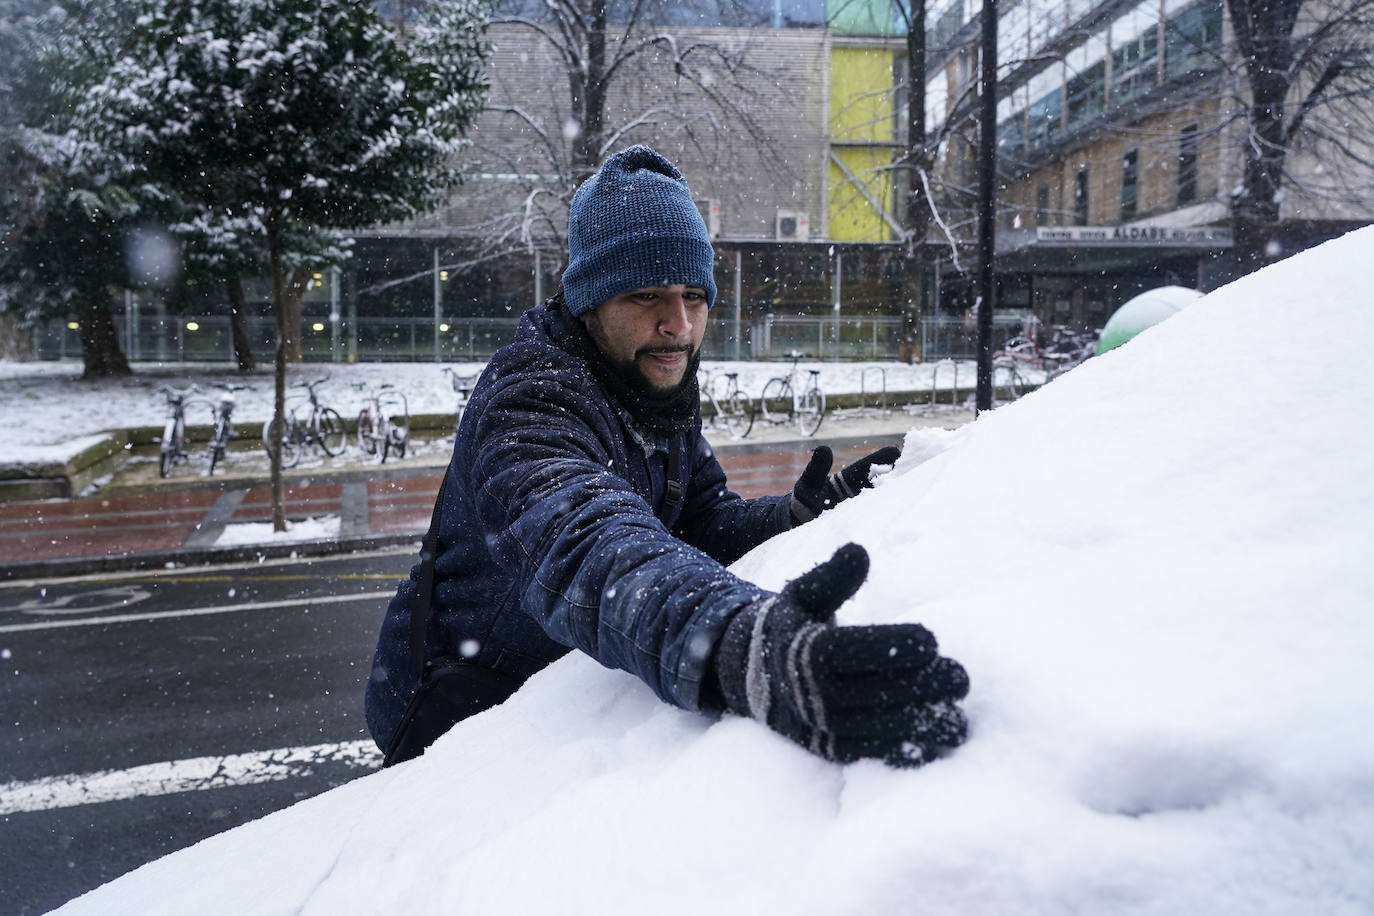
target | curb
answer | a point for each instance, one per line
(51, 569)
(240, 553)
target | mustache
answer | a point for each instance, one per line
(675, 348)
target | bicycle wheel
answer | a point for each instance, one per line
(399, 437)
(330, 431)
(218, 442)
(1011, 382)
(1019, 385)
(811, 410)
(739, 415)
(367, 432)
(167, 455)
(383, 438)
(775, 403)
(287, 440)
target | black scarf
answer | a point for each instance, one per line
(671, 412)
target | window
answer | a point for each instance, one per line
(1043, 120)
(1134, 66)
(1187, 165)
(1011, 137)
(1086, 93)
(1192, 39)
(1080, 197)
(1130, 192)
(1042, 205)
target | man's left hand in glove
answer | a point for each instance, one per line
(817, 489)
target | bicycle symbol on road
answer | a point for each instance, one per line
(100, 599)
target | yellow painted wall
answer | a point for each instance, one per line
(861, 94)
(852, 217)
(860, 112)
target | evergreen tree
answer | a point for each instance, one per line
(291, 116)
(63, 222)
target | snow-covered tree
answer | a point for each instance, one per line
(62, 220)
(291, 115)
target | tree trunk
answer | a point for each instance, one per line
(238, 324)
(1255, 210)
(293, 301)
(15, 343)
(1264, 34)
(101, 355)
(589, 97)
(279, 372)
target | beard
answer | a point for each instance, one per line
(636, 379)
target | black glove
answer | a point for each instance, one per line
(817, 489)
(841, 692)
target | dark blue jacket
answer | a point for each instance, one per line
(550, 539)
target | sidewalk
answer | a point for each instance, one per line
(139, 520)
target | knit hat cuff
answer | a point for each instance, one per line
(639, 263)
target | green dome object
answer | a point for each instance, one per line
(1146, 310)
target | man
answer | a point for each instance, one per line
(583, 509)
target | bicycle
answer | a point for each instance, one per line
(223, 426)
(1017, 354)
(783, 400)
(324, 428)
(734, 412)
(378, 432)
(462, 385)
(1067, 348)
(172, 450)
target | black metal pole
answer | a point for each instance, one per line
(987, 167)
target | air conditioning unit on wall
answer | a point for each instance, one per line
(792, 226)
(710, 212)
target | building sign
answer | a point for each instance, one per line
(1135, 236)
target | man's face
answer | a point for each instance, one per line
(650, 335)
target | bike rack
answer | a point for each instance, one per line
(935, 378)
(863, 390)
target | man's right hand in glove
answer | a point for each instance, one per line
(845, 693)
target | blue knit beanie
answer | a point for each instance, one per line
(633, 225)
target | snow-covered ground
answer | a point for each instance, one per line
(1157, 571)
(51, 412)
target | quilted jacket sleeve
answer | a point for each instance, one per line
(591, 562)
(720, 522)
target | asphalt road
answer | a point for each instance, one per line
(169, 682)
(145, 711)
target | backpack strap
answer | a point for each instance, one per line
(424, 585)
(674, 493)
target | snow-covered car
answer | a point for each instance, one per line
(1157, 572)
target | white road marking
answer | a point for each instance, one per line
(196, 611)
(202, 568)
(192, 775)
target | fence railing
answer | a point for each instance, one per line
(171, 339)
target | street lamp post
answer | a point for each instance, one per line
(987, 164)
(438, 303)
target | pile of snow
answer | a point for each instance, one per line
(322, 528)
(1157, 571)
